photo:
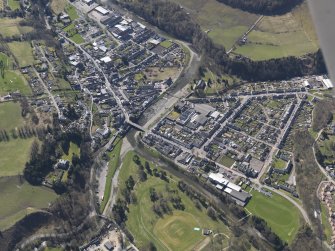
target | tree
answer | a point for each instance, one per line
(130, 183)
(211, 213)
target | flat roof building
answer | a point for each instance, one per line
(102, 10)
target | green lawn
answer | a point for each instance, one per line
(14, 155)
(19, 199)
(282, 216)
(172, 232)
(10, 114)
(11, 27)
(71, 11)
(74, 150)
(325, 223)
(13, 81)
(77, 38)
(13, 4)
(23, 53)
(166, 44)
(227, 161)
(112, 166)
(279, 163)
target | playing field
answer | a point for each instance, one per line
(171, 232)
(13, 4)
(282, 216)
(23, 53)
(18, 199)
(11, 27)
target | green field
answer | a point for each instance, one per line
(112, 166)
(223, 23)
(11, 27)
(291, 34)
(71, 11)
(166, 44)
(10, 114)
(327, 149)
(14, 154)
(279, 163)
(13, 81)
(23, 53)
(77, 38)
(325, 222)
(18, 199)
(171, 232)
(282, 216)
(227, 161)
(13, 4)
(73, 150)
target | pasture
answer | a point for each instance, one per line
(19, 199)
(282, 216)
(222, 23)
(10, 114)
(23, 53)
(173, 231)
(13, 81)
(291, 34)
(11, 27)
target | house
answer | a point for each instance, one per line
(109, 245)
(62, 164)
(88, 2)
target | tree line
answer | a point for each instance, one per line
(168, 16)
(264, 7)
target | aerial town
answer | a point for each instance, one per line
(134, 138)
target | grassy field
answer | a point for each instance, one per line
(112, 166)
(11, 27)
(58, 6)
(23, 52)
(71, 11)
(282, 216)
(14, 155)
(325, 223)
(171, 232)
(227, 161)
(166, 44)
(223, 23)
(20, 199)
(326, 147)
(10, 114)
(77, 38)
(13, 81)
(13, 4)
(291, 34)
(74, 150)
(279, 163)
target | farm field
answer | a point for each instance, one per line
(292, 34)
(282, 216)
(10, 114)
(23, 52)
(180, 230)
(13, 4)
(19, 199)
(14, 154)
(112, 166)
(223, 23)
(11, 27)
